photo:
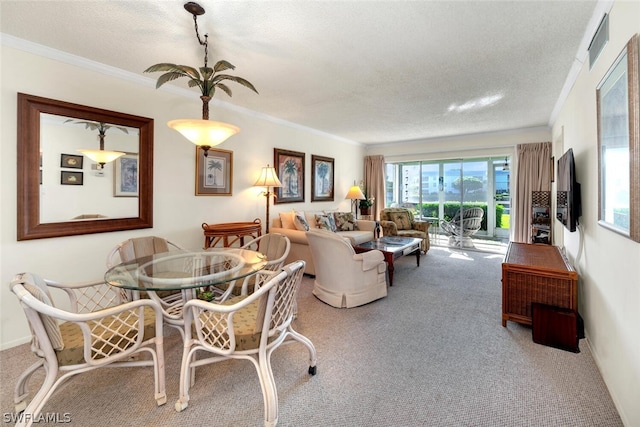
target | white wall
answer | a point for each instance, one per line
(479, 145)
(178, 213)
(609, 297)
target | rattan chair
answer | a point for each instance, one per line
(246, 327)
(460, 230)
(100, 330)
(140, 247)
(275, 247)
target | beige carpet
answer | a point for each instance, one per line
(433, 353)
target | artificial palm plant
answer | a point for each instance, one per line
(205, 78)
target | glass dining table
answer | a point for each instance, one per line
(184, 270)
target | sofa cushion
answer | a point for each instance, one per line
(300, 222)
(402, 220)
(345, 221)
(287, 220)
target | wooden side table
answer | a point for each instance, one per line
(230, 232)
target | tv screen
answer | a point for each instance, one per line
(568, 202)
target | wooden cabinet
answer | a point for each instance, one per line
(535, 273)
(541, 217)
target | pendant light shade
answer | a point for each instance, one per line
(102, 156)
(204, 132)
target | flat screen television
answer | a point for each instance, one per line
(568, 202)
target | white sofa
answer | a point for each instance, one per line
(367, 230)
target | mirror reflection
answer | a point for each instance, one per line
(75, 187)
(81, 169)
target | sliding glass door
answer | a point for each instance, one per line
(436, 190)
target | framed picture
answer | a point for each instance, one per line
(214, 173)
(322, 174)
(125, 176)
(71, 178)
(290, 168)
(70, 161)
(618, 107)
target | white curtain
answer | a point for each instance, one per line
(533, 174)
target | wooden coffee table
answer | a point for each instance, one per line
(392, 248)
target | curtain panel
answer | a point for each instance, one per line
(533, 174)
(374, 182)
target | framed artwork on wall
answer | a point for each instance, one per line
(618, 107)
(322, 176)
(71, 161)
(71, 178)
(125, 176)
(214, 173)
(290, 168)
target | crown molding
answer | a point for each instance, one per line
(78, 61)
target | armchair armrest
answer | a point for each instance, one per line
(370, 259)
(421, 226)
(389, 228)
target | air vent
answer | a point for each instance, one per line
(600, 39)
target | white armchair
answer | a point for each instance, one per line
(344, 278)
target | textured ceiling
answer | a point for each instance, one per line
(366, 71)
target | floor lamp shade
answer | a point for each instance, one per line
(268, 178)
(355, 194)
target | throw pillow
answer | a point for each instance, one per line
(324, 223)
(287, 220)
(332, 223)
(401, 219)
(300, 222)
(345, 221)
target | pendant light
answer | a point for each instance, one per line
(204, 133)
(100, 156)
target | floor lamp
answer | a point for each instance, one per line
(268, 178)
(355, 194)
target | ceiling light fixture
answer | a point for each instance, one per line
(100, 156)
(204, 133)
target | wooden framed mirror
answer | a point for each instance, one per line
(61, 192)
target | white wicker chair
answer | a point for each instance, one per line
(248, 327)
(139, 247)
(275, 247)
(100, 330)
(460, 230)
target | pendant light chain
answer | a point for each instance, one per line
(205, 43)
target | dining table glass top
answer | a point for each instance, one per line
(177, 270)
